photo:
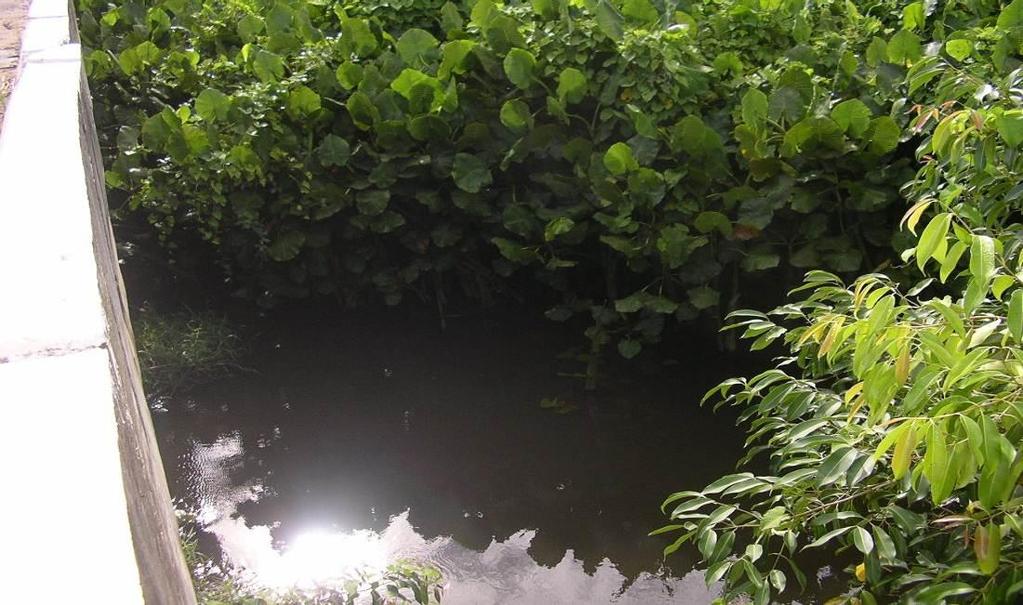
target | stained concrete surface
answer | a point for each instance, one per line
(12, 20)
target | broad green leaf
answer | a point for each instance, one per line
(629, 348)
(429, 127)
(286, 246)
(728, 62)
(387, 221)
(548, 9)
(877, 52)
(556, 227)
(483, 11)
(609, 20)
(754, 108)
(407, 81)
(334, 151)
(1011, 15)
(302, 102)
(211, 104)
(267, 66)
(249, 27)
(849, 63)
(1010, 127)
(619, 159)
(455, 55)
(904, 47)
(513, 251)
(279, 19)
(516, 116)
(694, 137)
(571, 85)
(708, 221)
(806, 427)
(518, 66)
(646, 187)
(470, 173)
(640, 11)
(723, 548)
(786, 105)
(362, 40)
(415, 45)
(675, 244)
(760, 259)
(703, 297)
(853, 116)
(913, 16)
(884, 135)
(708, 541)
(959, 49)
(349, 75)
(362, 110)
(372, 202)
(451, 19)
(642, 122)
(811, 134)
(139, 56)
(629, 304)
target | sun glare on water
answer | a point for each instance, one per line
(321, 558)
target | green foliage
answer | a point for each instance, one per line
(684, 148)
(893, 426)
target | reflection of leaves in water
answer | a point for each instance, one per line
(558, 405)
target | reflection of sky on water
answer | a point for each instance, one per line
(504, 572)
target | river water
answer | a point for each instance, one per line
(354, 442)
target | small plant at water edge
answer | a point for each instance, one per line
(180, 350)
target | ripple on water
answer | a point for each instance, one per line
(504, 572)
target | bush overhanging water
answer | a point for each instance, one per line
(893, 427)
(636, 158)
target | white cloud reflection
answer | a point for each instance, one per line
(503, 573)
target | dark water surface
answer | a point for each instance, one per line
(358, 440)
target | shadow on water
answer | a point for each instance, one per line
(361, 439)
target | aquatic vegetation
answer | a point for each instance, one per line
(180, 350)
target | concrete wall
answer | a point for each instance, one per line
(86, 508)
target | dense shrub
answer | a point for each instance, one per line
(637, 158)
(893, 427)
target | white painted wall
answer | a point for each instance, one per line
(85, 507)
